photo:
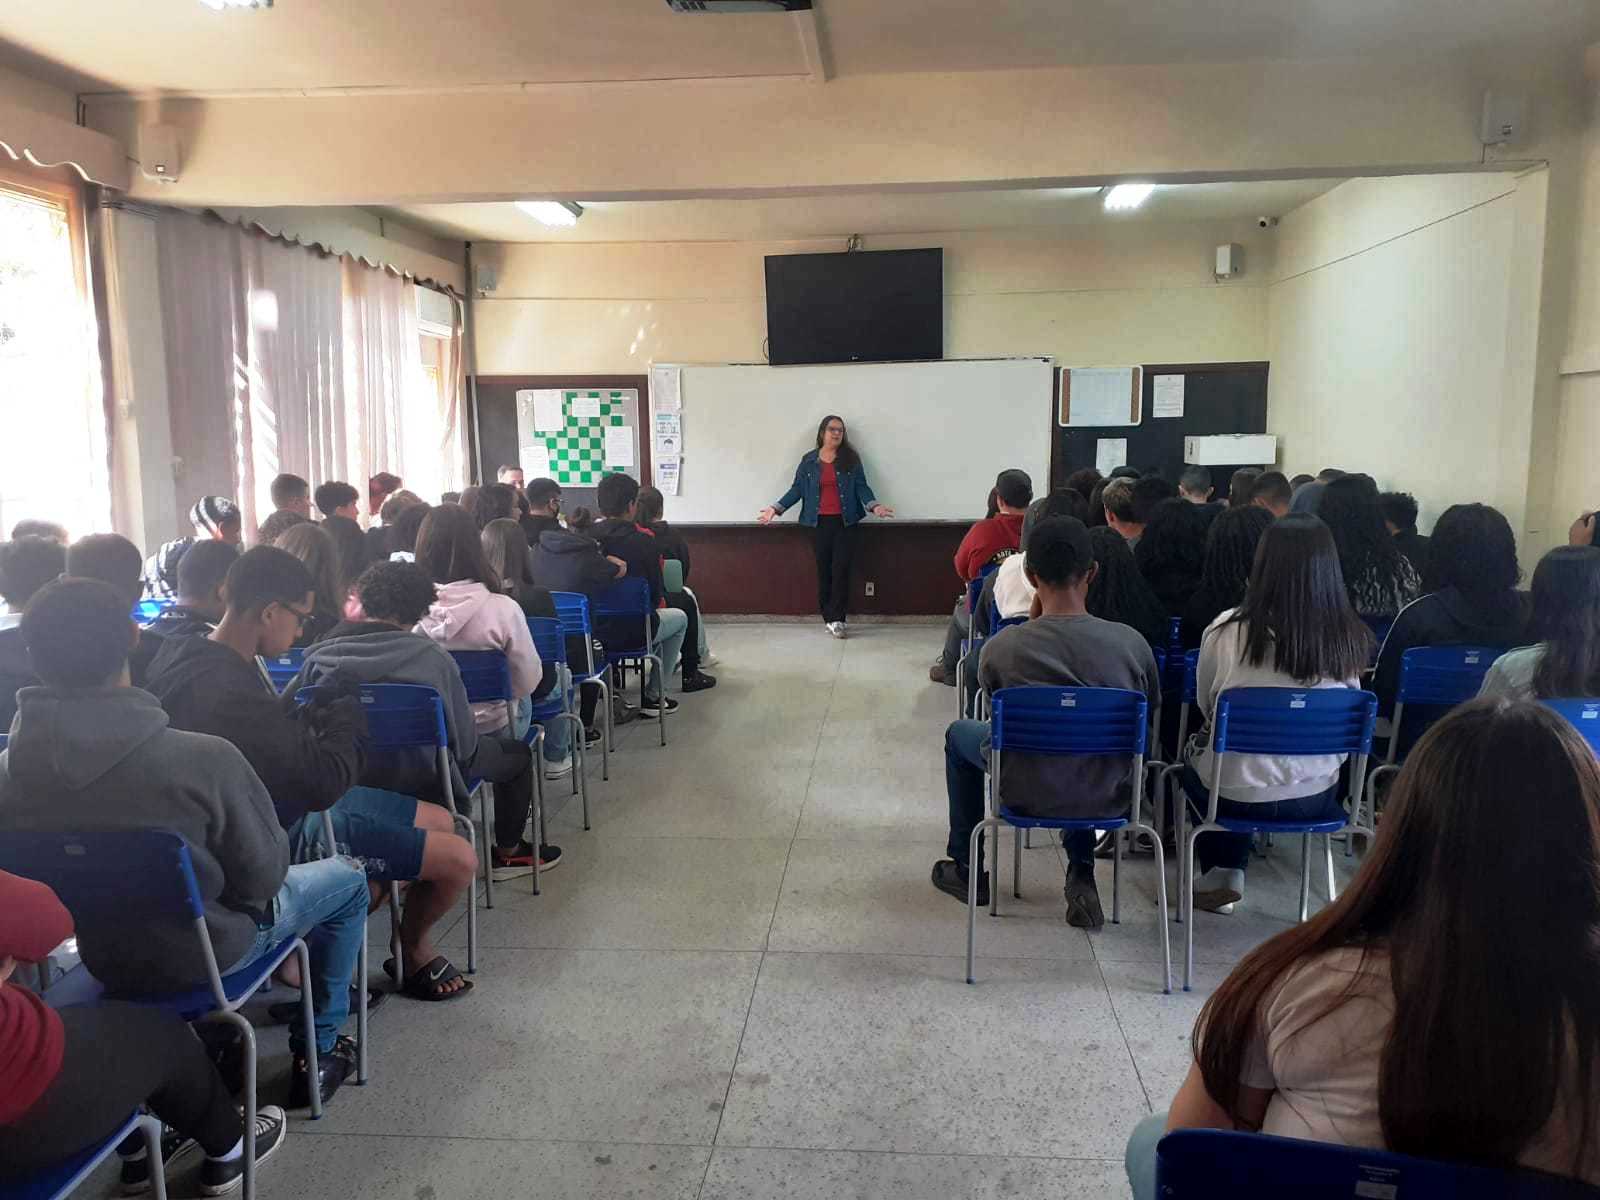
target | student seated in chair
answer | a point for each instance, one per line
(199, 579)
(383, 648)
(988, 543)
(310, 757)
(1564, 663)
(26, 565)
(1061, 645)
(88, 751)
(112, 558)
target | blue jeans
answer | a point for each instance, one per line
(673, 624)
(1140, 1157)
(1231, 851)
(557, 740)
(966, 745)
(329, 898)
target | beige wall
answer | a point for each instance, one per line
(1126, 293)
(1403, 325)
(27, 92)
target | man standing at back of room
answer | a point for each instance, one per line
(1060, 645)
(988, 543)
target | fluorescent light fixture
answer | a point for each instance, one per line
(219, 5)
(1127, 196)
(552, 212)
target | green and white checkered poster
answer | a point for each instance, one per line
(576, 453)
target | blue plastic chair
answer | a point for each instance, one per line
(1380, 627)
(59, 1181)
(629, 600)
(1285, 723)
(1172, 677)
(973, 641)
(282, 668)
(550, 641)
(1213, 1164)
(143, 877)
(1061, 722)
(1583, 715)
(146, 611)
(572, 608)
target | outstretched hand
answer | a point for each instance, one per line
(766, 515)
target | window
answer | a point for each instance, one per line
(53, 457)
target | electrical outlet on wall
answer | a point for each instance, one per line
(872, 588)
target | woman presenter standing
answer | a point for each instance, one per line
(831, 485)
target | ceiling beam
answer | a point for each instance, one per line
(814, 42)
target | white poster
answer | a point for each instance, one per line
(619, 446)
(669, 435)
(585, 408)
(1109, 454)
(547, 416)
(534, 461)
(665, 383)
(1100, 396)
(1167, 396)
(667, 471)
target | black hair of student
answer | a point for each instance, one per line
(1231, 553)
(287, 488)
(450, 548)
(1064, 502)
(266, 575)
(78, 633)
(400, 592)
(1125, 472)
(1097, 505)
(1242, 485)
(330, 497)
(1368, 556)
(580, 519)
(313, 545)
(1399, 509)
(1058, 551)
(110, 558)
(1119, 593)
(1083, 482)
(472, 500)
(991, 506)
(1566, 620)
(541, 491)
(1014, 488)
(354, 552)
(498, 502)
(1329, 474)
(1299, 481)
(1148, 492)
(1272, 486)
(1196, 481)
(652, 506)
(847, 459)
(1172, 551)
(26, 565)
(615, 493)
(506, 548)
(1296, 612)
(203, 569)
(449, 498)
(406, 527)
(278, 523)
(1474, 551)
(1116, 497)
(45, 529)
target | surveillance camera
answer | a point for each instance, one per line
(1267, 222)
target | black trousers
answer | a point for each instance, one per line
(508, 764)
(690, 654)
(118, 1056)
(836, 547)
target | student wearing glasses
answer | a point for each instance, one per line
(543, 498)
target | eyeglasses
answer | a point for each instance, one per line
(300, 617)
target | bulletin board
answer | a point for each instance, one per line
(576, 455)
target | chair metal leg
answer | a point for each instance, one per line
(466, 829)
(1116, 876)
(1180, 821)
(1186, 902)
(361, 1012)
(308, 1016)
(1327, 846)
(248, 1033)
(538, 808)
(1305, 875)
(396, 951)
(994, 871)
(661, 674)
(580, 765)
(487, 817)
(974, 869)
(150, 1128)
(1161, 904)
(1016, 864)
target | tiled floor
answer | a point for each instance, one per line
(740, 983)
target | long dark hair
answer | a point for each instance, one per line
(506, 548)
(314, 546)
(1296, 612)
(1118, 592)
(354, 552)
(1231, 553)
(1566, 619)
(847, 459)
(652, 504)
(1474, 551)
(1496, 989)
(1171, 552)
(1376, 575)
(450, 549)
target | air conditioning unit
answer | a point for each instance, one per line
(739, 6)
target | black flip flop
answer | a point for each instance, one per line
(422, 983)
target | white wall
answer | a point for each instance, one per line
(1098, 294)
(1403, 322)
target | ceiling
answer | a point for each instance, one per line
(793, 218)
(180, 45)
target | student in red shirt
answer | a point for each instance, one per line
(68, 1079)
(989, 542)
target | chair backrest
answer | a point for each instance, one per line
(1584, 716)
(283, 667)
(1289, 722)
(138, 875)
(399, 715)
(572, 609)
(626, 598)
(549, 639)
(1443, 674)
(1005, 623)
(974, 590)
(146, 611)
(1213, 1164)
(1069, 720)
(1191, 668)
(485, 674)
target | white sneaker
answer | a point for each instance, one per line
(836, 628)
(558, 768)
(1219, 889)
(709, 660)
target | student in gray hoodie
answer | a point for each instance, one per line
(88, 751)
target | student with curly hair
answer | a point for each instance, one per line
(1118, 592)
(1172, 551)
(1379, 579)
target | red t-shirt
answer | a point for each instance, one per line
(986, 539)
(829, 504)
(32, 923)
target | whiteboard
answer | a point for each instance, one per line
(933, 435)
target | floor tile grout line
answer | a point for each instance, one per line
(1133, 1059)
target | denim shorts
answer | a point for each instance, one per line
(374, 827)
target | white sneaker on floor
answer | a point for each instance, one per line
(1219, 889)
(558, 768)
(836, 628)
(709, 660)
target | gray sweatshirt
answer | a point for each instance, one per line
(104, 760)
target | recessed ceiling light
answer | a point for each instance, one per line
(1128, 195)
(219, 5)
(552, 212)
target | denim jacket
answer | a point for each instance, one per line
(855, 494)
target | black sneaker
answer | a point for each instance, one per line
(136, 1171)
(699, 682)
(219, 1176)
(950, 879)
(593, 737)
(333, 1066)
(1083, 901)
(653, 708)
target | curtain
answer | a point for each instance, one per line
(380, 367)
(453, 447)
